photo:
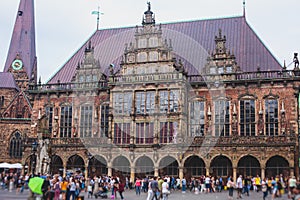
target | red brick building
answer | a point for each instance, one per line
(183, 99)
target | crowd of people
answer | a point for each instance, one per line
(72, 186)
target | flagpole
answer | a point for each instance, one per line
(98, 18)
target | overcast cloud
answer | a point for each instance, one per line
(62, 26)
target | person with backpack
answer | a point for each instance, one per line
(154, 187)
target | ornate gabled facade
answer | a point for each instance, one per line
(221, 61)
(165, 105)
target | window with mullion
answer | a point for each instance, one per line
(66, 121)
(174, 94)
(16, 144)
(104, 123)
(127, 103)
(169, 101)
(144, 133)
(140, 102)
(150, 102)
(117, 103)
(144, 102)
(164, 101)
(122, 103)
(222, 118)
(247, 117)
(140, 133)
(197, 118)
(122, 133)
(271, 117)
(168, 131)
(86, 121)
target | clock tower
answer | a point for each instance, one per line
(21, 58)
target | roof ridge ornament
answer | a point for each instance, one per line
(244, 8)
(149, 18)
(149, 6)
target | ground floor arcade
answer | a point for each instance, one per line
(173, 165)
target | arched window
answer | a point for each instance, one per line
(15, 148)
(66, 121)
(104, 124)
(271, 116)
(197, 118)
(247, 117)
(222, 118)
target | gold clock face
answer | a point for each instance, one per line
(17, 64)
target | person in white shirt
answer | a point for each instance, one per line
(150, 192)
(239, 185)
(165, 189)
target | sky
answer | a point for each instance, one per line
(63, 26)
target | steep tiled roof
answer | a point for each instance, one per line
(191, 41)
(23, 39)
(7, 81)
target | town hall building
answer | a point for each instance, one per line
(185, 99)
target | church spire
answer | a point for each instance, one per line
(22, 50)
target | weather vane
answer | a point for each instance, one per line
(98, 13)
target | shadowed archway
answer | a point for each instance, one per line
(194, 166)
(221, 166)
(56, 165)
(97, 166)
(121, 167)
(144, 167)
(277, 165)
(248, 166)
(168, 166)
(75, 164)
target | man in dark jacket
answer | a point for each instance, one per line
(46, 188)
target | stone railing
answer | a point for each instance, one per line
(68, 86)
(146, 78)
(239, 76)
(70, 142)
(282, 140)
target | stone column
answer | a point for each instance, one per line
(86, 171)
(156, 171)
(207, 171)
(132, 174)
(109, 170)
(263, 170)
(65, 170)
(180, 174)
(292, 171)
(23, 170)
(234, 174)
